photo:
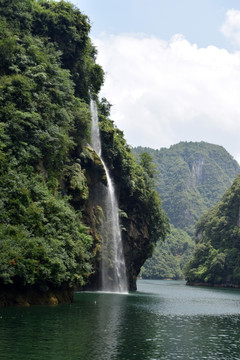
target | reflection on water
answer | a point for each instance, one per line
(163, 320)
(109, 318)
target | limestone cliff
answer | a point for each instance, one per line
(13, 296)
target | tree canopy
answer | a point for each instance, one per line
(217, 254)
(190, 178)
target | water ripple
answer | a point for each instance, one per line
(163, 321)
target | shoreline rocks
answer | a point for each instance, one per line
(11, 296)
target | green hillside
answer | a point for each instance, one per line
(190, 177)
(169, 257)
(216, 259)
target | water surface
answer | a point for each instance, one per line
(163, 320)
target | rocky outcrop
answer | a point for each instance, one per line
(136, 246)
(135, 234)
(197, 171)
(18, 296)
(51, 180)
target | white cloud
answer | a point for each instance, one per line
(166, 92)
(231, 26)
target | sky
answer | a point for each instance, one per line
(172, 69)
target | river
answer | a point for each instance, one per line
(162, 320)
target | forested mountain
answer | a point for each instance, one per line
(216, 259)
(170, 256)
(191, 177)
(49, 217)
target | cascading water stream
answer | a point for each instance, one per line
(113, 264)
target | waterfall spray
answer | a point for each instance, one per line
(113, 269)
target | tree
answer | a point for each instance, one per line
(146, 161)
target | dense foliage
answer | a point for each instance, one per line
(43, 127)
(216, 258)
(190, 177)
(48, 66)
(169, 257)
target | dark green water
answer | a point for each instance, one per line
(163, 320)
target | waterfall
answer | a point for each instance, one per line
(113, 269)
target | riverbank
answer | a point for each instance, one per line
(11, 296)
(231, 286)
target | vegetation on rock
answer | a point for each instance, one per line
(48, 226)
